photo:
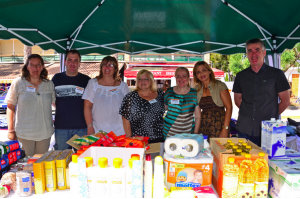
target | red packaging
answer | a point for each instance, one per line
(14, 155)
(117, 144)
(142, 138)
(10, 158)
(120, 138)
(134, 143)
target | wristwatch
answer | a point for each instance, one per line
(225, 127)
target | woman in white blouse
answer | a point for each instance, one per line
(103, 97)
(33, 95)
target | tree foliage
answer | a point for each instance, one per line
(289, 58)
(237, 63)
(219, 61)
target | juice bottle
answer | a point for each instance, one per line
(227, 145)
(234, 148)
(246, 179)
(240, 144)
(230, 179)
(261, 176)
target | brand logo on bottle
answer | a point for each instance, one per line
(187, 184)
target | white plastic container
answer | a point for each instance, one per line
(73, 173)
(90, 172)
(148, 171)
(158, 186)
(117, 182)
(129, 179)
(101, 179)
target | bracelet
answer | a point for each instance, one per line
(10, 131)
(89, 125)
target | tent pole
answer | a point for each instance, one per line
(47, 42)
(288, 37)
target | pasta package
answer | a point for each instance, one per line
(24, 183)
(9, 179)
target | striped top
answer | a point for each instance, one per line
(180, 115)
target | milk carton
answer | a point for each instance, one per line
(276, 139)
(264, 127)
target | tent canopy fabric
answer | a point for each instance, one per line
(163, 70)
(162, 26)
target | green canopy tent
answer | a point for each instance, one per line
(162, 26)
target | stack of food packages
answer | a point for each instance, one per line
(10, 152)
(45, 172)
(111, 140)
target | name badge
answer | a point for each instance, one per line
(152, 101)
(114, 90)
(30, 89)
(79, 90)
(175, 101)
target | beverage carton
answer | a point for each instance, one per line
(276, 139)
(264, 131)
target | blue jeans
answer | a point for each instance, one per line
(63, 135)
(255, 139)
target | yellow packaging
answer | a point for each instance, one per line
(50, 171)
(39, 173)
(61, 164)
(67, 178)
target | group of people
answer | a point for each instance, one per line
(85, 106)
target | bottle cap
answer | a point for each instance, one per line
(80, 151)
(235, 147)
(231, 143)
(117, 163)
(75, 157)
(244, 144)
(148, 157)
(239, 150)
(261, 154)
(241, 141)
(247, 156)
(159, 160)
(248, 147)
(130, 162)
(103, 162)
(88, 161)
(231, 160)
(135, 156)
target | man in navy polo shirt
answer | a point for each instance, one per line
(256, 92)
(69, 88)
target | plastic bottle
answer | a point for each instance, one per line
(129, 179)
(244, 146)
(117, 182)
(246, 178)
(234, 148)
(101, 178)
(238, 152)
(248, 149)
(261, 177)
(73, 173)
(227, 145)
(158, 188)
(240, 144)
(90, 172)
(230, 179)
(231, 145)
(135, 156)
(148, 177)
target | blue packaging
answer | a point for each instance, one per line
(19, 154)
(276, 141)
(4, 161)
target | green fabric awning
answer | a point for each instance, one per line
(163, 26)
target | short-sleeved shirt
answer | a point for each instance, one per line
(145, 117)
(69, 104)
(33, 118)
(259, 97)
(180, 115)
(106, 102)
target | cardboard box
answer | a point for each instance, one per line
(112, 152)
(221, 155)
(284, 181)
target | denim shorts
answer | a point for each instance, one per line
(63, 135)
(255, 139)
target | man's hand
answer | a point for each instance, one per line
(224, 133)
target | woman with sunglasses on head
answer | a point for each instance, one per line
(183, 114)
(102, 99)
(29, 110)
(215, 101)
(143, 109)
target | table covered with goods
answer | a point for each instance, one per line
(110, 166)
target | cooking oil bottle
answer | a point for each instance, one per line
(227, 145)
(230, 179)
(246, 179)
(240, 144)
(261, 177)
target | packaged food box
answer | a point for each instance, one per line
(61, 164)
(50, 171)
(221, 155)
(39, 173)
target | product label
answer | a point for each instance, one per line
(246, 190)
(101, 185)
(49, 178)
(175, 101)
(74, 176)
(188, 174)
(116, 186)
(25, 189)
(25, 179)
(60, 177)
(230, 186)
(260, 189)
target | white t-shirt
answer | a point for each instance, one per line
(106, 104)
(33, 116)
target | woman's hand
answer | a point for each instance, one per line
(224, 133)
(12, 135)
(91, 131)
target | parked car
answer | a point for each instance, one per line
(3, 106)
